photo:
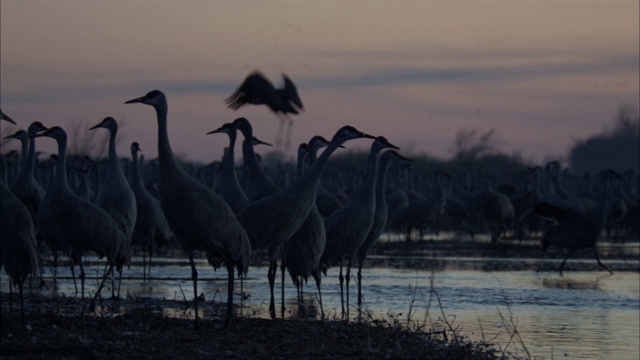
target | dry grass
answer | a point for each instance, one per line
(53, 330)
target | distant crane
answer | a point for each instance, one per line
(258, 90)
(199, 218)
(576, 229)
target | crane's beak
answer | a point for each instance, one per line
(5, 117)
(136, 100)
(214, 131)
(95, 126)
(257, 141)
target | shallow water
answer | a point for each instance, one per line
(583, 314)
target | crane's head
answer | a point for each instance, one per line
(226, 128)
(243, 125)
(20, 135)
(380, 143)
(347, 133)
(55, 132)
(35, 128)
(5, 117)
(154, 98)
(107, 123)
(135, 147)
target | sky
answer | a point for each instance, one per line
(542, 73)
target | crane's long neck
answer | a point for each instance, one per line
(381, 183)
(24, 157)
(114, 168)
(229, 159)
(136, 177)
(367, 191)
(311, 178)
(249, 154)
(31, 158)
(165, 154)
(61, 181)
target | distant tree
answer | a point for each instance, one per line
(617, 148)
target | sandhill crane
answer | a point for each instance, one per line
(115, 195)
(257, 89)
(301, 253)
(347, 227)
(84, 225)
(229, 187)
(380, 216)
(258, 184)
(151, 224)
(25, 186)
(198, 217)
(18, 249)
(575, 229)
(273, 219)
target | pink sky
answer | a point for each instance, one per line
(540, 72)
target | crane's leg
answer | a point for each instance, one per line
(317, 276)
(230, 279)
(20, 285)
(82, 275)
(271, 276)
(360, 283)
(149, 264)
(282, 267)
(73, 275)
(144, 263)
(194, 278)
(341, 278)
(348, 279)
(600, 263)
(109, 271)
(564, 261)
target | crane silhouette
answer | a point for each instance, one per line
(381, 213)
(577, 228)
(258, 184)
(347, 227)
(151, 224)
(18, 249)
(84, 225)
(115, 195)
(198, 217)
(258, 90)
(273, 219)
(301, 253)
(229, 187)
